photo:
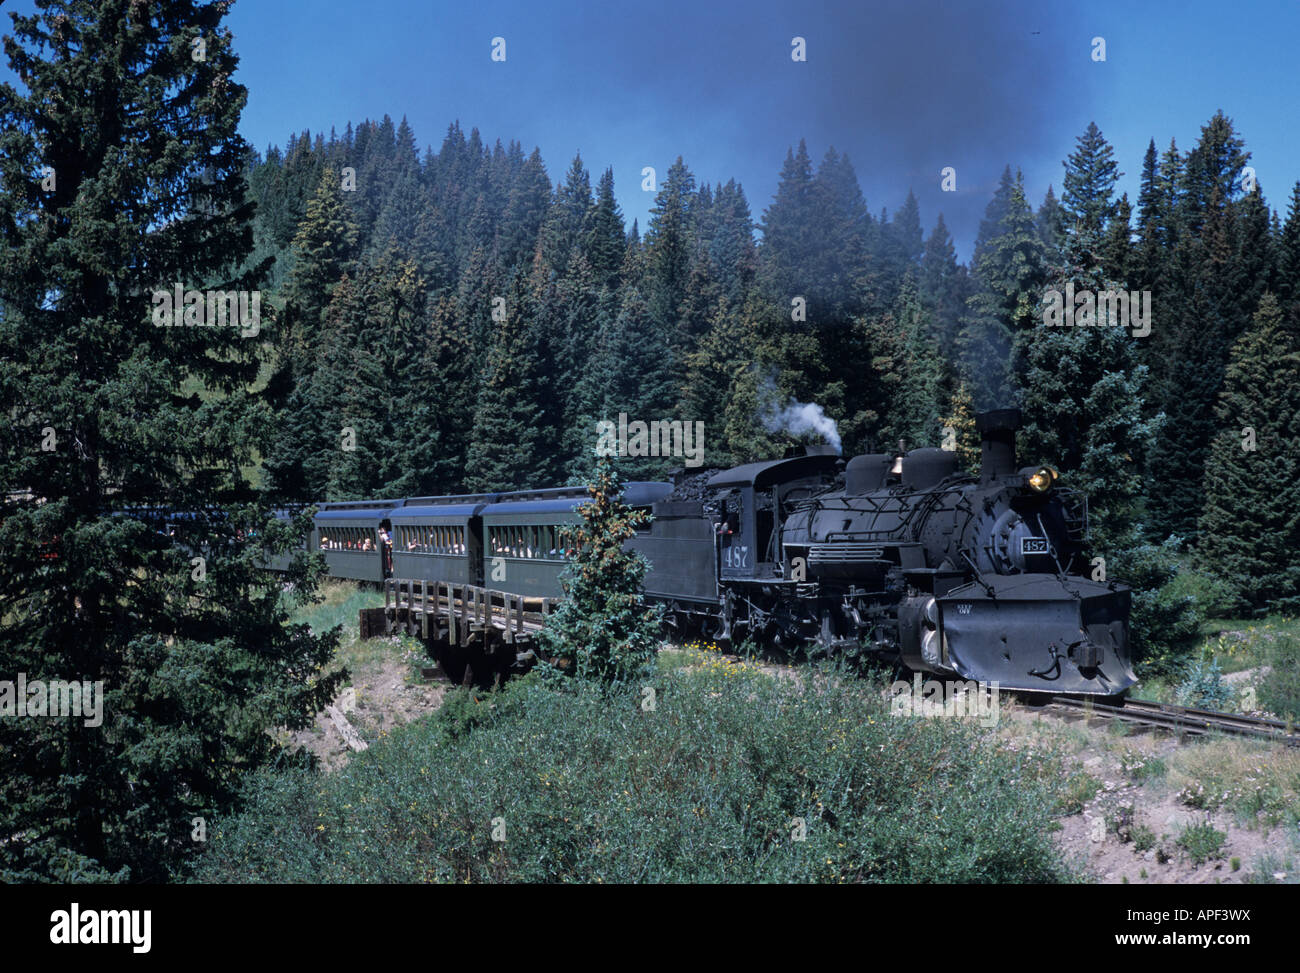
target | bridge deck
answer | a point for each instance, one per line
(440, 609)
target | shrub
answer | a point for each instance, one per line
(1278, 688)
(1164, 623)
(1202, 686)
(716, 782)
(465, 708)
(1201, 842)
(1212, 596)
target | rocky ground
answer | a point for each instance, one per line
(384, 693)
(1150, 788)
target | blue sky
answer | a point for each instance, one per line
(904, 87)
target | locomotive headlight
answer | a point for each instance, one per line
(1042, 479)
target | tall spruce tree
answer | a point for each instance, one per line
(1051, 223)
(1090, 176)
(1288, 257)
(502, 452)
(996, 211)
(324, 251)
(109, 412)
(603, 239)
(670, 244)
(1082, 400)
(1249, 528)
(1010, 273)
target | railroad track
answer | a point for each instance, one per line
(1183, 720)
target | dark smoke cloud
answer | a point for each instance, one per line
(904, 87)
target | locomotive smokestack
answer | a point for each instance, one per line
(997, 431)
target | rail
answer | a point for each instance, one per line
(1183, 719)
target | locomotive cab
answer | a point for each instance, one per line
(750, 511)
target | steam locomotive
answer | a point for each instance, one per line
(897, 556)
(900, 555)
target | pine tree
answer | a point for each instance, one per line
(521, 225)
(732, 254)
(907, 231)
(1151, 207)
(1117, 246)
(789, 230)
(837, 269)
(994, 215)
(1212, 176)
(604, 630)
(908, 364)
(669, 243)
(563, 230)
(1249, 529)
(1082, 402)
(605, 244)
(1205, 307)
(1010, 275)
(324, 249)
(503, 447)
(1090, 176)
(1051, 223)
(195, 659)
(726, 351)
(942, 283)
(1288, 257)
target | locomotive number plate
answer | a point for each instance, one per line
(1033, 545)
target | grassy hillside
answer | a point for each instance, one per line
(708, 786)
